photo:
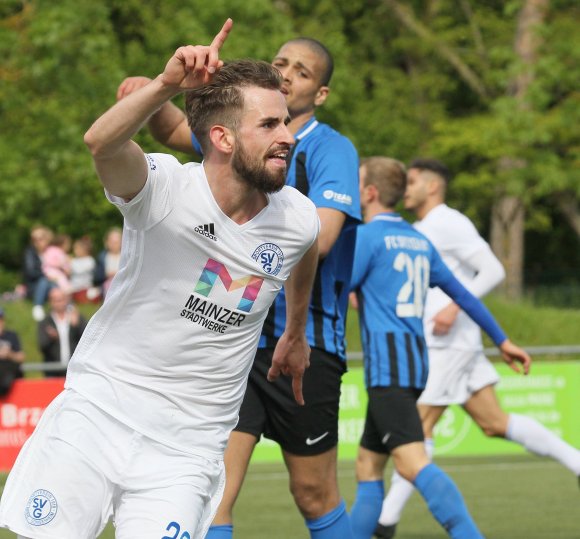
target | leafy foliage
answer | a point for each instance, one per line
(438, 85)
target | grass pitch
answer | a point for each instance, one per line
(510, 498)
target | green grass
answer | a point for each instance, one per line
(510, 498)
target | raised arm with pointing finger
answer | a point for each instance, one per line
(156, 382)
(119, 161)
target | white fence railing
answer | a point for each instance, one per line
(563, 350)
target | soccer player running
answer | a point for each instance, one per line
(394, 266)
(324, 166)
(155, 384)
(459, 372)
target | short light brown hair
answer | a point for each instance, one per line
(389, 176)
(222, 101)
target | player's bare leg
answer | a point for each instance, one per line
(484, 408)
(314, 486)
(430, 415)
(313, 482)
(236, 459)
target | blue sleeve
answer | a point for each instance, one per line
(442, 277)
(196, 145)
(333, 176)
(362, 258)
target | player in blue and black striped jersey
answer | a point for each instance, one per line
(394, 266)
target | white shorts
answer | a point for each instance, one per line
(81, 466)
(455, 375)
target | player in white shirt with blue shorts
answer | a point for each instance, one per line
(154, 387)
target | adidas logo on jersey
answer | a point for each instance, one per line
(206, 230)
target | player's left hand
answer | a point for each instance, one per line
(291, 358)
(193, 66)
(443, 321)
(513, 355)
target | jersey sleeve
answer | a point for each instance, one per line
(154, 202)
(488, 271)
(333, 176)
(442, 277)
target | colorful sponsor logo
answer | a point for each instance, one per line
(214, 270)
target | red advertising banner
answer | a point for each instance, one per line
(20, 412)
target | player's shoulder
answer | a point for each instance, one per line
(325, 136)
(290, 206)
(444, 219)
(290, 197)
(444, 214)
(154, 160)
(384, 225)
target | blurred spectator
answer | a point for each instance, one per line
(37, 285)
(82, 270)
(60, 332)
(11, 356)
(108, 260)
(56, 261)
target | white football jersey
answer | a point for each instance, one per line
(456, 239)
(169, 352)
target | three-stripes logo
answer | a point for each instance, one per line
(206, 230)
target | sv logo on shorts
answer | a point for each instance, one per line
(41, 508)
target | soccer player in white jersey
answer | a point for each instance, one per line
(155, 385)
(459, 372)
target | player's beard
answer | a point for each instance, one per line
(255, 173)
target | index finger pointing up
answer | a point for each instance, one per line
(213, 57)
(222, 35)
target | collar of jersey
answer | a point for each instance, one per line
(388, 216)
(307, 128)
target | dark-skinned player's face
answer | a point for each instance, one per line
(302, 71)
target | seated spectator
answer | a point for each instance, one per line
(60, 332)
(108, 260)
(11, 356)
(37, 285)
(56, 261)
(82, 267)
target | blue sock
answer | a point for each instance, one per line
(225, 531)
(333, 525)
(366, 508)
(446, 503)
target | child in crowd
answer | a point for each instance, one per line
(82, 270)
(56, 261)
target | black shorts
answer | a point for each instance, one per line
(269, 408)
(392, 419)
